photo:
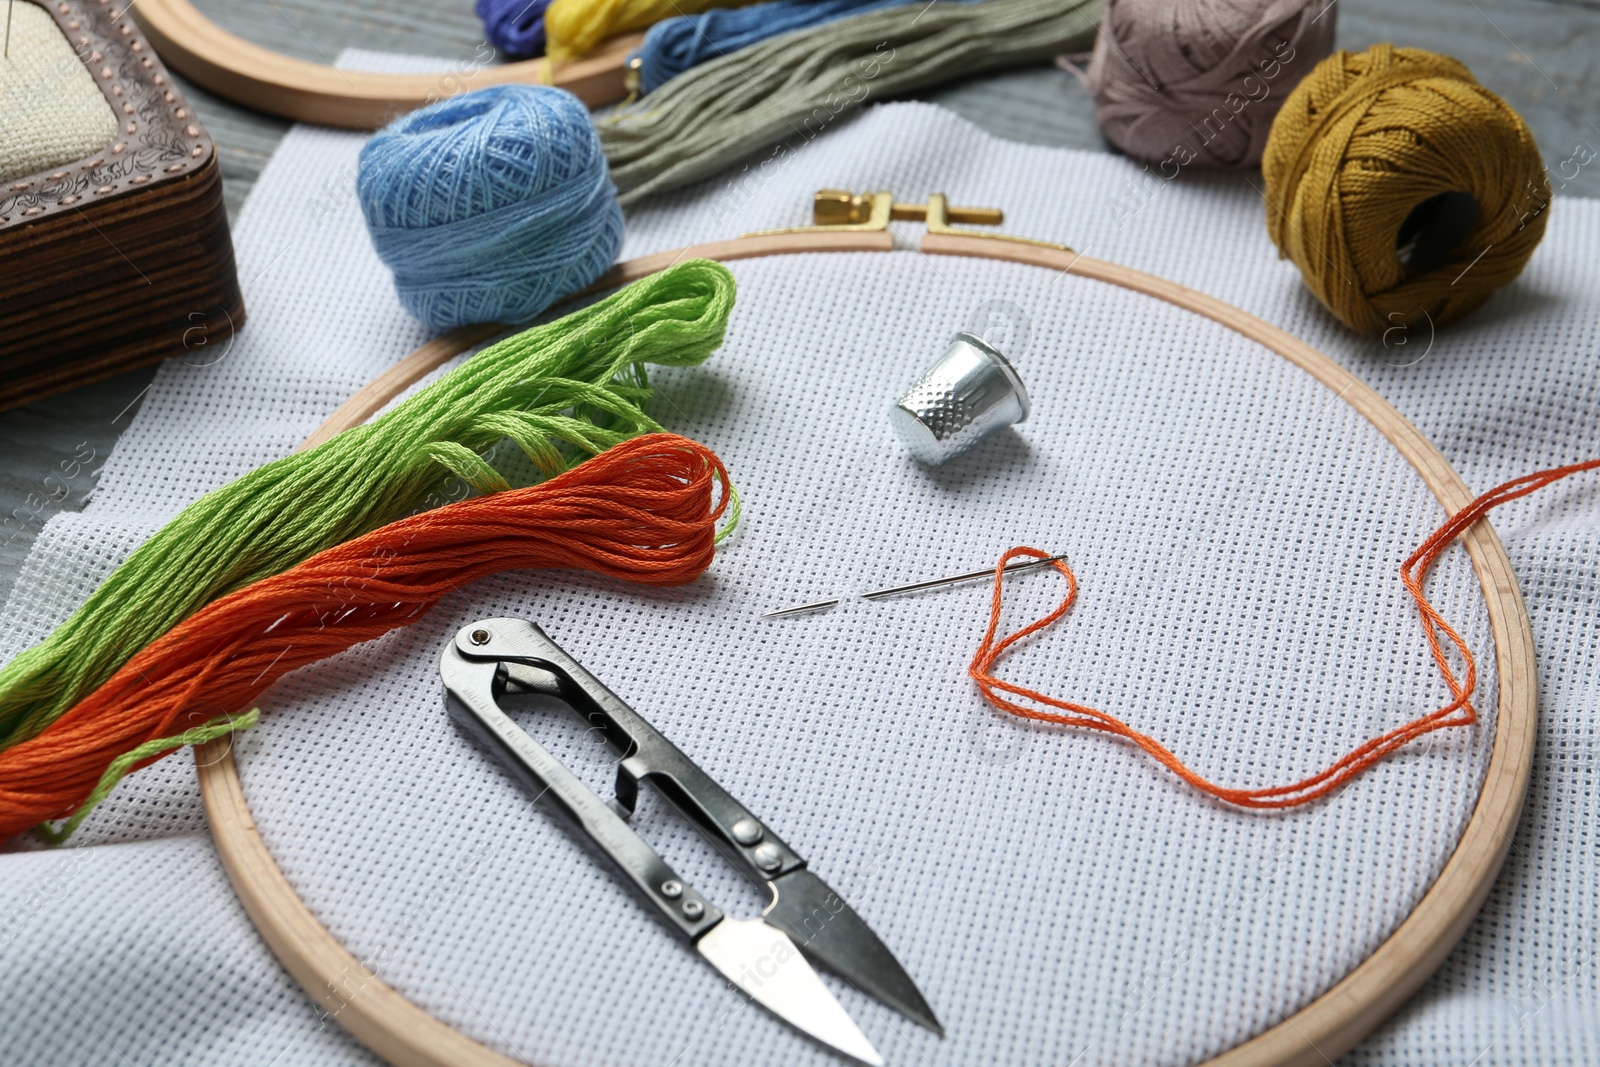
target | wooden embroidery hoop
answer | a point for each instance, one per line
(269, 81)
(406, 1036)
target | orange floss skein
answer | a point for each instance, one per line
(1459, 712)
(644, 511)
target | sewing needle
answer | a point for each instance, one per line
(896, 590)
(9, 8)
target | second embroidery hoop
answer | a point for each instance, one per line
(269, 81)
(407, 1036)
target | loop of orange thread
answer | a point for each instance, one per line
(1413, 572)
(645, 511)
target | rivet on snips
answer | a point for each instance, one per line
(970, 393)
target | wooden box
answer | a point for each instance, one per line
(121, 257)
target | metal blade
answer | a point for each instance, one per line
(829, 931)
(761, 960)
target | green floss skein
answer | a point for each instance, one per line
(579, 381)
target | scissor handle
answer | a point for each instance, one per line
(648, 754)
(469, 695)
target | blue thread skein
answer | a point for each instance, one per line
(674, 45)
(516, 27)
(490, 206)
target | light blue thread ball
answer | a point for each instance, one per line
(490, 206)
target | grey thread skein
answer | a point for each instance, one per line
(791, 88)
(1200, 81)
(490, 206)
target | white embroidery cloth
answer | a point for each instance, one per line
(1056, 895)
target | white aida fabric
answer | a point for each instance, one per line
(1057, 896)
(51, 110)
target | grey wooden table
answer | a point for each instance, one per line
(1542, 56)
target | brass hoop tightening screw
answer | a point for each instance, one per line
(837, 207)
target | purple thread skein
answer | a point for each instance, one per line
(515, 27)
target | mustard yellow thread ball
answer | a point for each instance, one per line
(1369, 169)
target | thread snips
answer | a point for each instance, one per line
(498, 659)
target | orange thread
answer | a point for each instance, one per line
(642, 511)
(1459, 712)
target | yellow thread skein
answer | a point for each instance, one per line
(574, 27)
(1368, 171)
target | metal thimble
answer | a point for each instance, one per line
(970, 393)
